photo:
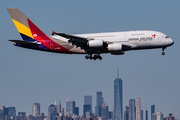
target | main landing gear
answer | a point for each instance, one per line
(163, 53)
(94, 57)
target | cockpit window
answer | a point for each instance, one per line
(167, 37)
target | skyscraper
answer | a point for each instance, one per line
(170, 117)
(138, 108)
(62, 111)
(104, 112)
(30, 117)
(52, 112)
(3, 113)
(118, 98)
(86, 108)
(99, 102)
(36, 109)
(141, 114)
(146, 114)
(58, 107)
(157, 116)
(88, 100)
(126, 113)
(40, 117)
(132, 109)
(12, 112)
(152, 110)
(110, 115)
(70, 107)
(77, 111)
(21, 116)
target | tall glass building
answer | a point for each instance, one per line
(118, 100)
(141, 114)
(99, 102)
(52, 112)
(70, 107)
(126, 113)
(138, 108)
(152, 110)
(86, 108)
(36, 109)
(157, 116)
(146, 114)
(58, 107)
(104, 112)
(88, 100)
(12, 111)
(132, 109)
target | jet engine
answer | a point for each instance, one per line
(115, 47)
(96, 43)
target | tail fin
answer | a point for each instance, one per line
(31, 33)
(21, 23)
(27, 29)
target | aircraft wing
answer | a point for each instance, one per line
(76, 40)
(69, 36)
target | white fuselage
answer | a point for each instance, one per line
(133, 39)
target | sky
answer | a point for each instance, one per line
(30, 76)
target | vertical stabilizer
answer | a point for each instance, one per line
(21, 23)
(31, 33)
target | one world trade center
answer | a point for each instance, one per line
(118, 100)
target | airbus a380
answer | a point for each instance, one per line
(93, 45)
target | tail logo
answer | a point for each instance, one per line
(154, 35)
(34, 35)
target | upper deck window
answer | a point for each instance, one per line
(167, 37)
(137, 34)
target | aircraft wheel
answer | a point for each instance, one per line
(91, 57)
(95, 57)
(87, 57)
(100, 58)
(163, 53)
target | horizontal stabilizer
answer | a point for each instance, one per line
(22, 42)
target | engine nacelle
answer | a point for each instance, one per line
(115, 47)
(96, 43)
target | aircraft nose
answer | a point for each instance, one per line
(171, 41)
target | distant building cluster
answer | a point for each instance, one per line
(55, 112)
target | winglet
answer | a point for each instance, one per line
(53, 33)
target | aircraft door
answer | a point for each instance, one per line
(125, 37)
(51, 46)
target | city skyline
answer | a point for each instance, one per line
(131, 112)
(52, 111)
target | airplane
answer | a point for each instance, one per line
(92, 44)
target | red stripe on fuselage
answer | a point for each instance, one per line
(44, 39)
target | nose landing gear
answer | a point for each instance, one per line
(163, 53)
(94, 57)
